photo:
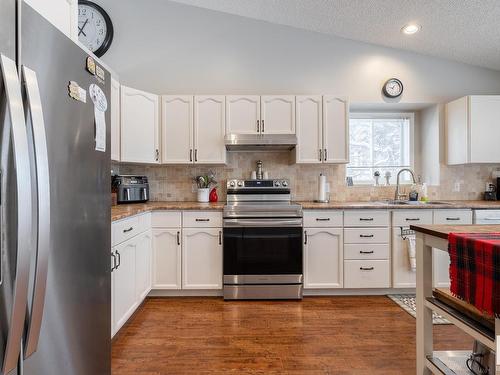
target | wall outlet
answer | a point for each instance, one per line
(456, 187)
(194, 187)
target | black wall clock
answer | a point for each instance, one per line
(95, 29)
(393, 88)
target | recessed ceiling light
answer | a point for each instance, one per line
(411, 28)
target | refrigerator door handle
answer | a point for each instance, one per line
(43, 220)
(15, 110)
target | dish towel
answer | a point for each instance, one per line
(475, 269)
(412, 254)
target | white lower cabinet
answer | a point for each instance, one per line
(167, 257)
(124, 297)
(202, 258)
(441, 259)
(323, 258)
(367, 273)
(143, 257)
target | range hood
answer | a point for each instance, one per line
(260, 142)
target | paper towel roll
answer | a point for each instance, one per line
(322, 188)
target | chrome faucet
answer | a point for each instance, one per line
(397, 194)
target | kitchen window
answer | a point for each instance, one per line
(380, 142)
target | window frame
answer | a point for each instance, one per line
(386, 115)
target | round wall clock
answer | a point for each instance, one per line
(393, 88)
(95, 30)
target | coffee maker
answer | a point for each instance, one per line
(490, 193)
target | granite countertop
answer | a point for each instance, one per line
(125, 210)
(442, 231)
(441, 204)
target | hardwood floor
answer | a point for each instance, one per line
(320, 335)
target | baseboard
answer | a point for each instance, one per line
(185, 293)
(307, 292)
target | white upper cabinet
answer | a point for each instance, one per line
(473, 129)
(209, 129)
(115, 119)
(139, 126)
(243, 114)
(177, 129)
(63, 14)
(309, 127)
(278, 114)
(322, 129)
(335, 129)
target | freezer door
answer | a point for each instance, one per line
(15, 215)
(8, 28)
(74, 327)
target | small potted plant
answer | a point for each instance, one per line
(204, 184)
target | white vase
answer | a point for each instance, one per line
(203, 195)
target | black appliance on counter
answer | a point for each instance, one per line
(131, 189)
(262, 241)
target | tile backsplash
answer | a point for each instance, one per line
(175, 183)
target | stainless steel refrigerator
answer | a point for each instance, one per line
(55, 204)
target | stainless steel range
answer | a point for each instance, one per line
(262, 241)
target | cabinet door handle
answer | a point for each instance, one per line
(305, 237)
(114, 262)
(262, 126)
(157, 155)
(179, 238)
(366, 268)
(258, 126)
(366, 219)
(366, 252)
(202, 219)
(366, 235)
(412, 219)
(320, 154)
(322, 219)
(325, 155)
(119, 260)
(452, 218)
(128, 230)
(220, 237)
(191, 154)
(195, 154)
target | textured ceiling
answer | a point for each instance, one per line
(462, 30)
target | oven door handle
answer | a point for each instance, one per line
(231, 223)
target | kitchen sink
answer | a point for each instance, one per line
(409, 203)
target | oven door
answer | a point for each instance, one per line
(259, 252)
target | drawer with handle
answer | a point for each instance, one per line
(366, 218)
(367, 274)
(366, 235)
(366, 251)
(323, 219)
(202, 219)
(486, 216)
(452, 217)
(404, 218)
(125, 229)
(166, 219)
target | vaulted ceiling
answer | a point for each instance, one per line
(467, 31)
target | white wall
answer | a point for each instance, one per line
(166, 47)
(430, 142)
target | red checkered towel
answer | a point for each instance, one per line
(475, 269)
